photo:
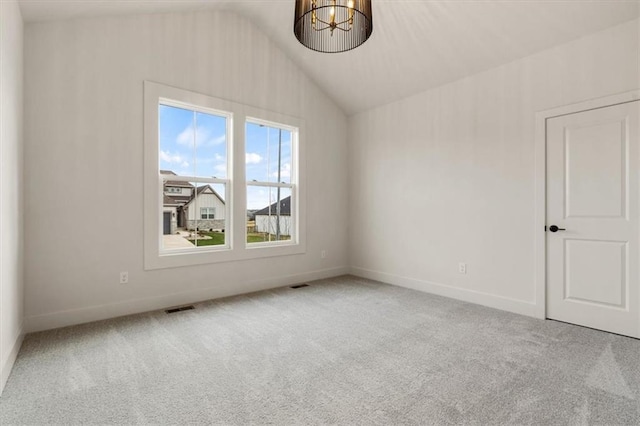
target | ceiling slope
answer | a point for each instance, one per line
(416, 45)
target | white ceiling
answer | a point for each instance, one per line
(416, 44)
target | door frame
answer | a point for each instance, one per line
(540, 235)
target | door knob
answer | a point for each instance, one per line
(554, 228)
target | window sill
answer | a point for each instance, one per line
(177, 259)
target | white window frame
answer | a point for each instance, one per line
(208, 109)
(293, 185)
(236, 247)
(207, 213)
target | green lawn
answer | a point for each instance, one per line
(217, 238)
(255, 238)
(261, 237)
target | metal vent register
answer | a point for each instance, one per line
(181, 308)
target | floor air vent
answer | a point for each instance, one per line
(182, 308)
(299, 286)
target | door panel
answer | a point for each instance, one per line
(593, 193)
(595, 163)
(595, 272)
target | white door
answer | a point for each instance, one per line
(593, 192)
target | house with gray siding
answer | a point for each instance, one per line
(268, 219)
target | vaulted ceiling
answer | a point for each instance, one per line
(416, 44)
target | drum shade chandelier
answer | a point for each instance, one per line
(332, 26)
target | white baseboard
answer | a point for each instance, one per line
(113, 310)
(7, 366)
(493, 301)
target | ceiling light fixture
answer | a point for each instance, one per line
(332, 26)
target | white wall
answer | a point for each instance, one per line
(11, 185)
(447, 175)
(84, 133)
(206, 200)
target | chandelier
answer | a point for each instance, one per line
(332, 26)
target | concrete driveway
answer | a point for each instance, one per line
(175, 241)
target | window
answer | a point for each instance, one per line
(270, 182)
(222, 180)
(207, 212)
(193, 145)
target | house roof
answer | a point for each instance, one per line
(167, 201)
(285, 208)
(170, 200)
(174, 182)
(202, 189)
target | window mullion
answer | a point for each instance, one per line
(270, 184)
(194, 179)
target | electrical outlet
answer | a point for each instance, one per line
(323, 254)
(462, 268)
(124, 277)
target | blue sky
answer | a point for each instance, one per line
(188, 152)
(200, 149)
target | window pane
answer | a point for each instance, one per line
(190, 152)
(268, 153)
(269, 215)
(192, 144)
(195, 217)
(177, 140)
(211, 146)
(205, 215)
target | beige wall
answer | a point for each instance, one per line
(447, 175)
(84, 133)
(11, 185)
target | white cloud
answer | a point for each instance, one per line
(203, 137)
(200, 161)
(257, 198)
(168, 158)
(284, 173)
(252, 158)
(186, 136)
(221, 170)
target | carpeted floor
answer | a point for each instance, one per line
(343, 350)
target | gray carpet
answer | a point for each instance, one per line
(342, 351)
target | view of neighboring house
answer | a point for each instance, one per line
(184, 207)
(205, 210)
(175, 195)
(267, 218)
